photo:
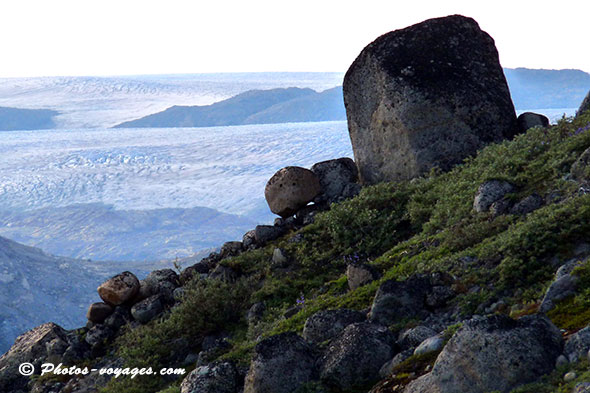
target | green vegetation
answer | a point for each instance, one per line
(420, 226)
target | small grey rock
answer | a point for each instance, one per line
(147, 309)
(325, 325)
(431, 344)
(490, 192)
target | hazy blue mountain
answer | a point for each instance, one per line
(537, 89)
(252, 107)
(325, 106)
(36, 287)
(100, 232)
(26, 119)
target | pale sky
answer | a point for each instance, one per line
(129, 37)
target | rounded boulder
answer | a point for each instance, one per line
(119, 289)
(290, 189)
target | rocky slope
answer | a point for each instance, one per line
(472, 280)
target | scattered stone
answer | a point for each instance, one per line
(178, 294)
(256, 312)
(584, 106)
(306, 215)
(224, 273)
(414, 336)
(580, 170)
(528, 204)
(528, 120)
(388, 367)
(561, 361)
(577, 345)
(281, 364)
(279, 259)
(354, 358)
(118, 318)
(568, 377)
(494, 353)
(218, 377)
(327, 324)
(431, 344)
(98, 312)
(290, 189)
(490, 192)
(266, 233)
(98, 335)
(564, 286)
(399, 299)
(147, 309)
(336, 177)
(359, 274)
(500, 207)
(426, 96)
(231, 249)
(119, 289)
(249, 240)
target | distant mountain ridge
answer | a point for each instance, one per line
(538, 89)
(529, 88)
(26, 119)
(252, 107)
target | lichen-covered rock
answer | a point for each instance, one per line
(290, 189)
(119, 289)
(564, 285)
(281, 364)
(148, 309)
(425, 96)
(577, 345)
(431, 344)
(414, 336)
(528, 120)
(337, 179)
(400, 299)
(490, 192)
(359, 274)
(584, 106)
(325, 325)
(218, 377)
(354, 358)
(493, 353)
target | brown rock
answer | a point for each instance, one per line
(119, 289)
(98, 312)
(290, 189)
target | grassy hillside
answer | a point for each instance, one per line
(424, 225)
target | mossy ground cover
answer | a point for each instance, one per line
(424, 225)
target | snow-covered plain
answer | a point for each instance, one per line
(46, 176)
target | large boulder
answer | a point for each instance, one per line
(338, 179)
(325, 325)
(354, 358)
(119, 289)
(489, 192)
(290, 189)
(495, 353)
(584, 106)
(218, 377)
(425, 96)
(281, 364)
(148, 309)
(98, 312)
(396, 300)
(528, 120)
